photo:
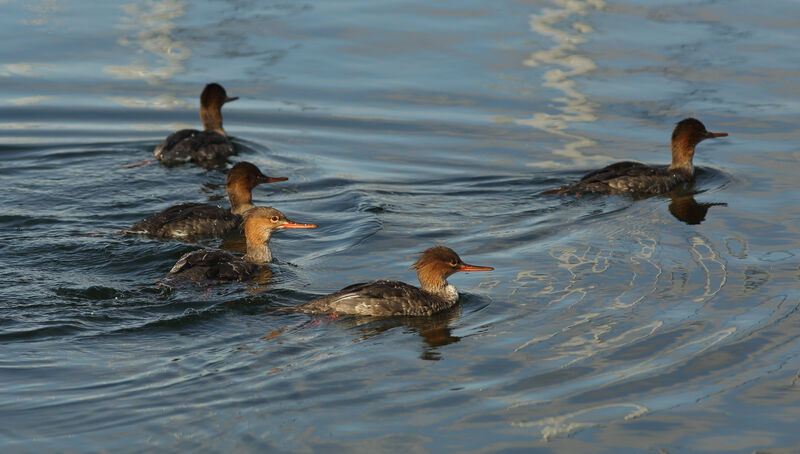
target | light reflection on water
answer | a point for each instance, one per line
(151, 26)
(576, 106)
(610, 324)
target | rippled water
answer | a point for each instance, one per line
(609, 324)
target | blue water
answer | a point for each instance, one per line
(666, 324)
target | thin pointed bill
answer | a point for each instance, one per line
(714, 135)
(295, 225)
(229, 99)
(466, 267)
(266, 179)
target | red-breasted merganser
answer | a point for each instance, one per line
(398, 298)
(193, 220)
(635, 177)
(207, 147)
(219, 266)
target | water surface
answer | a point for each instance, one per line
(609, 324)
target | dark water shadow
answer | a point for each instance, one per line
(435, 331)
(688, 210)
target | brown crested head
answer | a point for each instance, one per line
(259, 223)
(215, 96)
(686, 135)
(437, 263)
(692, 131)
(239, 183)
(262, 221)
(248, 175)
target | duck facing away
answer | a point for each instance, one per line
(206, 147)
(194, 220)
(635, 177)
(219, 266)
(434, 266)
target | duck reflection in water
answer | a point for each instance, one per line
(260, 282)
(435, 330)
(683, 205)
(686, 209)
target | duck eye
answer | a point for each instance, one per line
(274, 219)
(454, 263)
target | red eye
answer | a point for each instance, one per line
(274, 219)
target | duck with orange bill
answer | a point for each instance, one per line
(195, 220)
(219, 266)
(635, 177)
(434, 295)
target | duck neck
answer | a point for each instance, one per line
(682, 154)
(258, 249)
(241, 198)
(211, 117)
(436, 284)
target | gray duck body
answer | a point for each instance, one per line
(211, 265)
(383, 298)
(207, 148)
(189, 220)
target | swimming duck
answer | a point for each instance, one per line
(434, 295)
(219, 266)
(207, 147)
(635, 177)
(193, 220)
